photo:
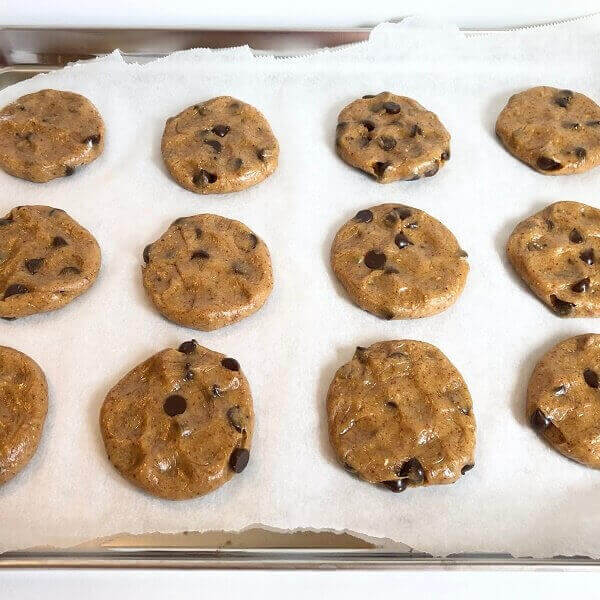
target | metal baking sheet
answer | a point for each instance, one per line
(26, 52)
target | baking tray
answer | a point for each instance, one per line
(25, 52)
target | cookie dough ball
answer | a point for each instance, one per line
(398, 262)
(392, 137)
(554, 131)
(180, 424)
(207, 271)
(49, 134)
(46, 260)
(23, 407)
(400, 414)
(219, 146)
(555, 252)
(563, 398)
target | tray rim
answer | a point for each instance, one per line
(184, 557)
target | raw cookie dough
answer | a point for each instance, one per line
(398, 262)
(219, 146)
(400, 414)
(46, 260)
(180, 424)
(392, 137)
(207, 271)
(23, 406)
(49, 134)
(555, 252)
(556, 132)
(563, 399)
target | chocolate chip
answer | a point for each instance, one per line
(239, 459)
(363, 142)
(548, 164)
(433, 170)
(363, 216)
(466, 469)
(571, 125)
(367, 96)
(188, 374)
(549, 224)
(413, 225)
(591, 378)
(70, 271)
(92, 139)
(214, 144)
(33, 265)
(580, 152)
(235, 164)
(412, 470)
(391, 218)
(231, 364)
(564, 97)
(198, 233)
(58, 242)
(391, 404)
(221, 130)
(575, 236)
(361, 354)
(581, 286)
(348, 468)
(445, 155)
(462, 253)
(388, 316)
(562, 307)
(263, 154)
(415, 131)
(587, 256)
(203, 177)
(175, 405)
(236, 418)
(341, 127)
(15, 289)
(69, 171)
(561, 390)
(593, 123)
(414, 178)
(396, 485)
(188, 347)
(146, 253)
(368, 124)
(234, 107)
(177, 221)
(253, 241)
(374, 259)
(391, 108)
(402, 241)
(200, 254)
(535, 245)
(386, 143)
(403, 212)
(539, 421)
(5, 221)
(216, 391)
(380, 167)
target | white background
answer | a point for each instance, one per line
(309, 13)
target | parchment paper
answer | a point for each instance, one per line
(522, 497)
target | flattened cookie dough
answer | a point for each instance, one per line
(398, 262)
(49, 134)
(392, 137)
(46, 260)
(23, 407)
(219, 146)
(555, 252)
(180, 424)
(207, 271)
(556, 132)
(400, 414)
(563, 398)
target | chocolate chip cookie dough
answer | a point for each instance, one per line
(23, 407)
(563, 398)
(49, 134)
(46, 260)
(392, 137)
(400, 415)
(398, 262)
(207, 271)
(555, 253)
(180, 424)
(219, 146)
(554, 131)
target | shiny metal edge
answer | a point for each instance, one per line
(25, 52)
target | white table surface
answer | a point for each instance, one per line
(163, 585)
